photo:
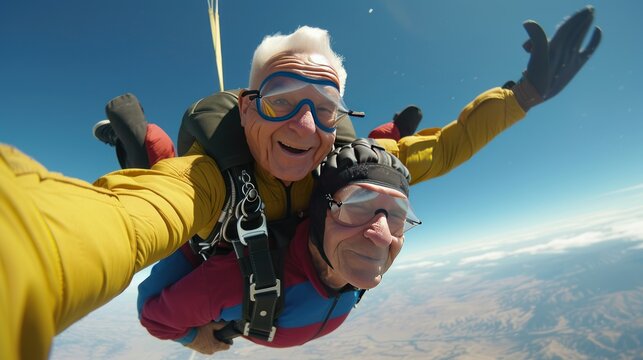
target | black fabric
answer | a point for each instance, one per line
(361, 161)
(261, 262)
(280, 233)
(121, 155)
(215, 123)
(128, 121)
(228, 332)
(407, 120)
(261, 319)
(345, 131)
(372, 173)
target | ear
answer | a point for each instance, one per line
(244, 105)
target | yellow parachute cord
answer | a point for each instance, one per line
(213, 11)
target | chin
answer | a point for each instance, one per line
(366, 284)
(291, 175)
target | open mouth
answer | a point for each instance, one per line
(292, 150)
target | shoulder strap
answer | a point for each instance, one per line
(261, 266)
(258, 299)
(215, 123)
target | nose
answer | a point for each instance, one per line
(378, 231)
(303, 122)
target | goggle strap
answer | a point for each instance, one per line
(251, 94)
(359, 114)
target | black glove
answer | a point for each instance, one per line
(553, 64)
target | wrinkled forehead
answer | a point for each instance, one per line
(314, 66)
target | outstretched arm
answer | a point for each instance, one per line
(552, 65)
(71, 246)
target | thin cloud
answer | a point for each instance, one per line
(639, 246)
(563, 244)
(619, 229)
(486, 257)
(456, 275)
(557, 237)
(629, 189)
(623, 229)
(425, 264)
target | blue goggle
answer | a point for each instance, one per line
(282, 94)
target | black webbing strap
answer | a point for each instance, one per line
(280, 233)
(262, 288)
(262, 291)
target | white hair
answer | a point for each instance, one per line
(306, 40)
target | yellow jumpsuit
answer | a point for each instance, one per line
(67, 247)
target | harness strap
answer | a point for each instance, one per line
(227, 333)
(262, 291)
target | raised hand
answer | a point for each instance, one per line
(554, 63)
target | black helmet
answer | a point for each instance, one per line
(362, 161)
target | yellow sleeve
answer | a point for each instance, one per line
(168, 204)
(436, 151)
(69, 247)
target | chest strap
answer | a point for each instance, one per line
(263, 288)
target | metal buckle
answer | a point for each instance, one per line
(271, 336)
(243, 233)
(254, 290)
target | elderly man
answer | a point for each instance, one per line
(359, 213)
(65, 263)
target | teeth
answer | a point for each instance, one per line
(292, 148)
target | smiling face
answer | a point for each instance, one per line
(290, 149)
(360, 254)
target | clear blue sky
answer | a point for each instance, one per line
(61, 61)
